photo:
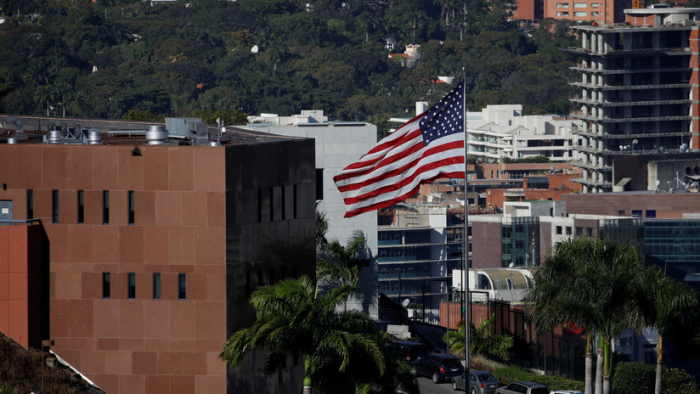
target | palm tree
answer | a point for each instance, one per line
(481, 341)
(45, 94)
(292, 320)
(672, 300)
(547, 300)
(597, 284)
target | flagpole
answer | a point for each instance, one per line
(465, 281)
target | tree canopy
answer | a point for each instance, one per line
(112, 57)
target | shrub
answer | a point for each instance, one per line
(640, 378)
(507, 375)
(634, 378)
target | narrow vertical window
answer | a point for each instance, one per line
(105, 207)
(132, 285)
(131, 207)
(182, 286)
(156, 286)
(54, 206)
(81, 207)
(30, 204)
(105, 285)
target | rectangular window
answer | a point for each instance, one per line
(579, 231)
(105, 207)
(594, 5)
(156, 286)
(636, 213)
(81, 207)
(30, 204)
(559, 13)
(580, 5)
(580, 13)
(130, 202)
(594, 13)
(54, 206)
(562, 5)
(131, 278)
(621, 212)
(182, 286)
(319, 184)
(589, 232)
(651, 213)
(568, 230)
(105, 285)
(559, 230)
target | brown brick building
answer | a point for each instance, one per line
(149, 254)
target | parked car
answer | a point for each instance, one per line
(565, 392)
(523, 388)
(480, 382)
(438, 366)
(408, 351)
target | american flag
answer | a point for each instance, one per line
(427, 147)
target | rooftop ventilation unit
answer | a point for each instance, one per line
(157, 135)
(19, 130)
(94, 137)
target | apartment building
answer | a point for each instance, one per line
(599, 11)
(636, 85)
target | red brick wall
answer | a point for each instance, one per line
(486, 245)
(666, 205)
(136, 345)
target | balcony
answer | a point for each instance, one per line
(629, 120)
(629, 103)
(631, 87)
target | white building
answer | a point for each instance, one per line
(501, 131)
(338, 144)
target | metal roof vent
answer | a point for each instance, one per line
(19, 130)
(55, 137)
(94, 137)
(157, 135)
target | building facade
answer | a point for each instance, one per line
(337, 144)
(636, 89)
(501, 131)
(154, 249)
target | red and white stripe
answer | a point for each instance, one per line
(394, 169)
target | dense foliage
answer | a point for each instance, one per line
(105, 59)
(507, 375)
(638, 378)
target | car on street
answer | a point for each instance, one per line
(523, 388)
(406, 350)
(439, 367)
(481, 382)
(566, 392)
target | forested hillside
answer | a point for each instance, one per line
(122, 58)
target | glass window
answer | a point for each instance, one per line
(579, 231)
(651, 213)
(105, 285)
(54, 206)
(568, 230)
(30, 204)
(580, 5)
(182, 286)
(580, 13)
(156, 286)
(130, 201)
(559, 230)
(594, 5)
(105, 207)
(636, 213)
(562, 5)
(594, 13)
(562, 13)
(81, 207)
(319, 184)
(621, 212)
(131, 279)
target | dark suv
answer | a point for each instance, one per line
(407, 351)
(438, 366)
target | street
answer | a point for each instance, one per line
(428, 387)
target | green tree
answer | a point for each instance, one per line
(481, 341)
(672, 300)
(597, 284)
(292, 320)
